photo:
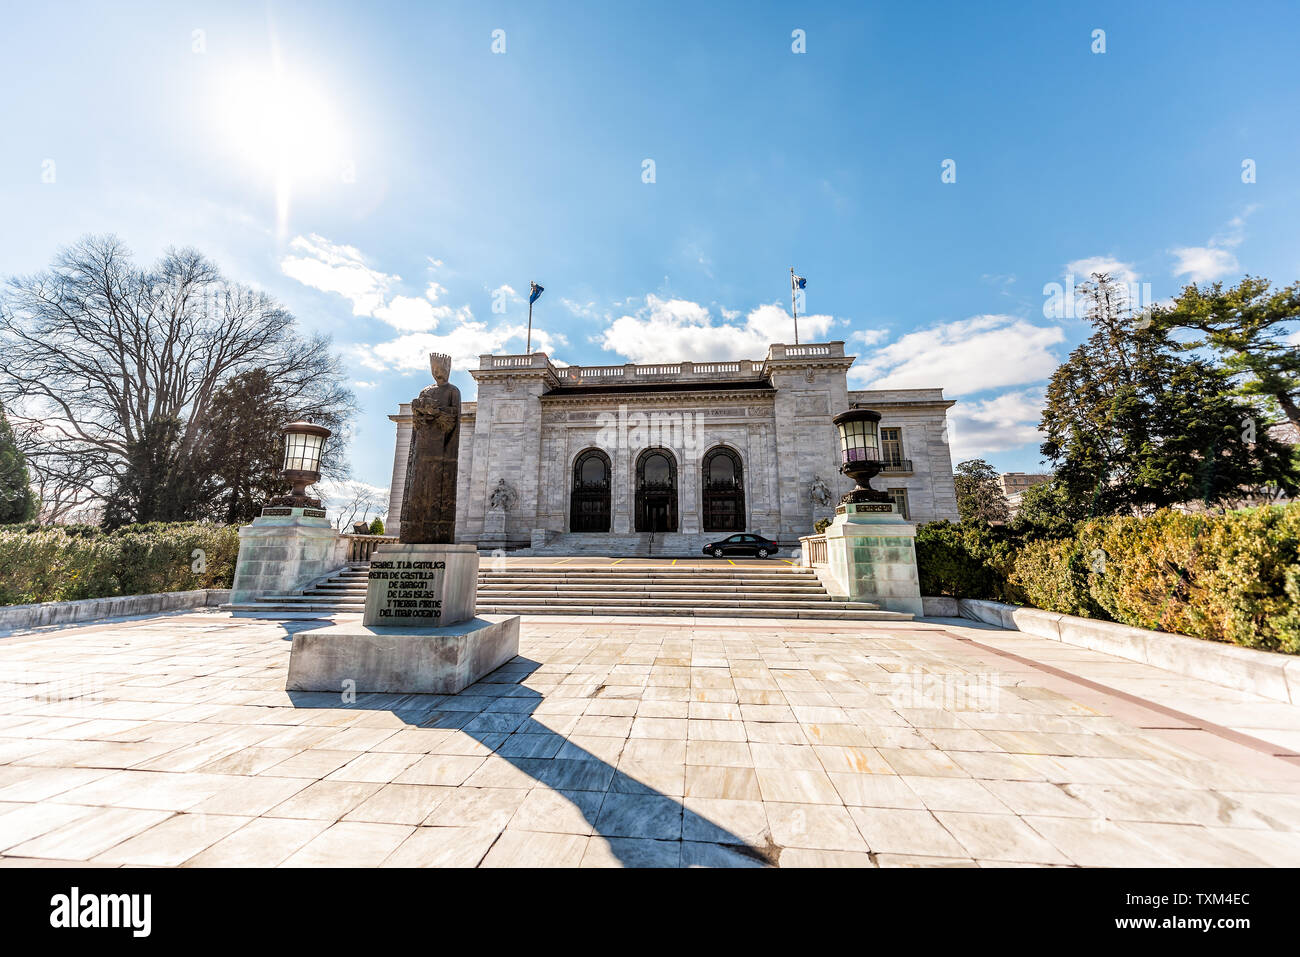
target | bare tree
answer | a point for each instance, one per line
(356, 502)
(110, 370)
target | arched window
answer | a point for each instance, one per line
(724, 491)
(589, 503)
(656, 491)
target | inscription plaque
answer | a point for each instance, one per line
(412, 589)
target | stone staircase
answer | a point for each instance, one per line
(724, 590)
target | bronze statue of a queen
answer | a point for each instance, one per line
(429, 499)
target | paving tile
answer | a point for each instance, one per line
(173, 841)
(350, 844)
(631, 852)
(315, 763)
(444, 769)
(537, 849)
(802, 787)
(721, 821)
(83, 838)
(34, 820)
(400, 804)
(792, 857)
(378, 767)
(822, 826)
(875, 790)
(634, 777)
(955, 794)
(561, 812)
(443, 847)
(326, 800)
(251, 796)
(262, 842)
(489, 808)
(999, 837)
(736, 784)
(640, 815)
(1094, 843)
(898, 831)
(698, 854)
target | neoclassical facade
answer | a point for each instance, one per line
(659, 459)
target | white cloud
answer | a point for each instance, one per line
(465, 343)
(1005, 421)
(365, 385)
(965, 356)
(1118, 270)
(331, 267)
(1213, 260)
(506, 290)
(1204, 263)
(673, 330)
(869, 337)
(434, 290)
(583, 310)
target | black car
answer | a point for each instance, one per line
(745, 543)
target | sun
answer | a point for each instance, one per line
(285, 129)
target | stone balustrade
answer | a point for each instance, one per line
(685, 371)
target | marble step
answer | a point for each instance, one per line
(840, 611)
(743, 602)
(621, 586)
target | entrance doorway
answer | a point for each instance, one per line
(656, 491)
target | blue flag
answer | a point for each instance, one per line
(800, 282)
(537, 291)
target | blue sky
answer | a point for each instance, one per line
(385, 173)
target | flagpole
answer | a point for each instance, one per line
(528, 349)
(794, 309)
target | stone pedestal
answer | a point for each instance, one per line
(419, 634)
(284, 550)
(872, 555)
(402, 660)
(494, 529)
(428, 586)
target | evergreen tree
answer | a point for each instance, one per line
(1047, 511)
(980, 498)
(1133, 425)
(1252, 329)
(17, 501)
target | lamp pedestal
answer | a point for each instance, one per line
(872, 555)
(284, 550)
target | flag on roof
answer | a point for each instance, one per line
(537, 291)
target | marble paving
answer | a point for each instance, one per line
(672, 742)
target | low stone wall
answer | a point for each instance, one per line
(1265, 673)
(16, 617)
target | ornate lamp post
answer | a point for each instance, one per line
(303, 443)
(860, 454)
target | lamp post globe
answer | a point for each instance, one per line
(860, 453)
(303, 444)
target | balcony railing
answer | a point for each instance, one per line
(895, 465)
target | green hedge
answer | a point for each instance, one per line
(1232, 577)
(51, 564)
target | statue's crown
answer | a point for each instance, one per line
(440, 355)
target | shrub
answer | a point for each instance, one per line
(377, 526)
(52, 565)
(1232, 577)
(966, 561)
(821, 525)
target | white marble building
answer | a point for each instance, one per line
(659, 459)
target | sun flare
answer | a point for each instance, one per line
(286, 129)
